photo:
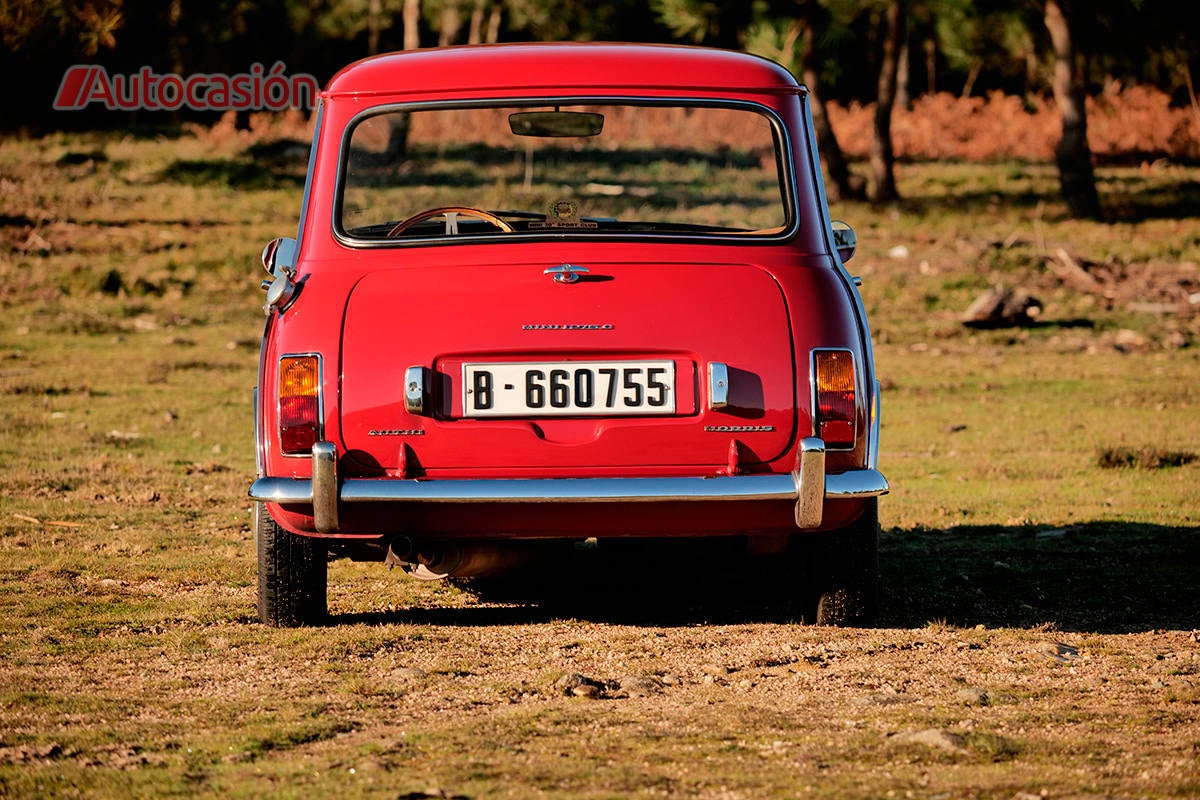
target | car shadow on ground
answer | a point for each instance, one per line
(653, 585)
(1101, 577)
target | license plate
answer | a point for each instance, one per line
(569, 388)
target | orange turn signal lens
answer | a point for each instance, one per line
(299, 403)
(833, 372)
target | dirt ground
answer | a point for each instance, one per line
(664, 696)
(1039, 635)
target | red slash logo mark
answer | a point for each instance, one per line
(75, 89)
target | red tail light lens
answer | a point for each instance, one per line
(833, 372)
(299, 404)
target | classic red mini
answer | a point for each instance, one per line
(554, 293)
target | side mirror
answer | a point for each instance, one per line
(279, 260)
(844, 239)
(279, 254)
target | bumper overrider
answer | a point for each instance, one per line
(809, 486)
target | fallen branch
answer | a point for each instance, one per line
(1069, 271)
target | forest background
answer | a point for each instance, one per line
(1111, 80)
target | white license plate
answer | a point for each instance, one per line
(569, 388)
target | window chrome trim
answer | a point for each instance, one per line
(784, 159)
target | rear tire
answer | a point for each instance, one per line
(292, 574)
(845, 573)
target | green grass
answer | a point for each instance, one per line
(1044, 487)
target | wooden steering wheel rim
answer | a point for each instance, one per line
(420, 216)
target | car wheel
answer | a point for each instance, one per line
(292, 574)
(845, 573)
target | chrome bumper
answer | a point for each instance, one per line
(808, 486)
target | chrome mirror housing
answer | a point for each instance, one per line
(279, 260)
(844, 239)
(279, 254)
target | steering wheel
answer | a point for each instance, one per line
(451, 213)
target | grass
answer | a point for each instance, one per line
(1044, 490)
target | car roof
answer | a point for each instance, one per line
(556, 67)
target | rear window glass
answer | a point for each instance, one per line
(576, 170)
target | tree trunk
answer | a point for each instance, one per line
(374, 11)
(972, 76)
(398, 124)
(1074, 157)
(931, 52)
(475, 31)
(903, 79)
(176, 44)
(843, 185)
(451, 23)
(411, 16)
(883, 159)
(492, 35)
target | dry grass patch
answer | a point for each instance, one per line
(1039, 637)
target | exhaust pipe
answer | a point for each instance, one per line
(433, 561)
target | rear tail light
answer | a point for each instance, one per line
(299, 404)
(833, 372)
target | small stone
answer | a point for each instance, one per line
(936, 738)
(972, 697)
(715, 670)
(576, 685)
(1056, 533)
(410, 673)
(1129, 341)
(1001, 307)
(568, 682)
(1058, 652)
(883, 699)
(36, 244)
(589, 690)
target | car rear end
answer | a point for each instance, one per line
(544, 309)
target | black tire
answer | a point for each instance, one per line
(844, 576)
(292, 574)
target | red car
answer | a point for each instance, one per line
(553, 293)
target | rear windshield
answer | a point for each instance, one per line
(575, 170)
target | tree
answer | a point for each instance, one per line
(92, 25)
(582, 20)
(485, 11)
(1073, 156)
(399, 124)
(987, 40)
(719, 24)
(882, 157)
(843, 184)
